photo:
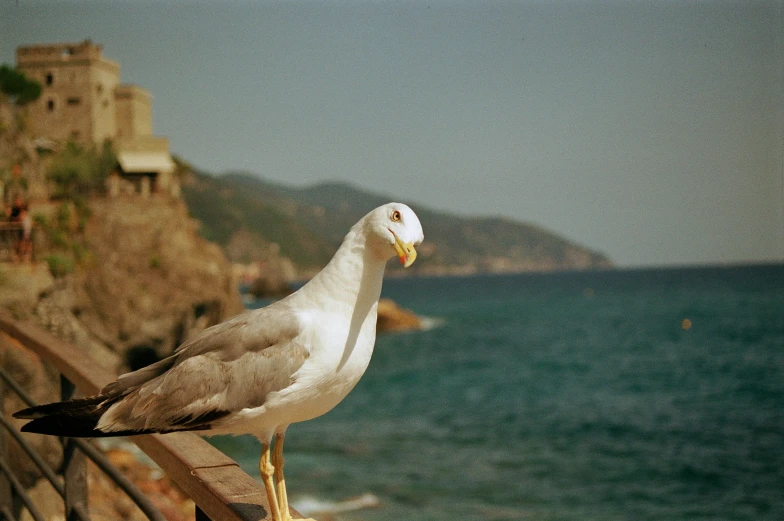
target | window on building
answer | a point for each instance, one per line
(74, 101)
(49, 78)
(50, 105)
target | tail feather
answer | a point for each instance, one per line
(72, 418)
(76, 406)
(65, 425)
(79, 419)
(74, 427)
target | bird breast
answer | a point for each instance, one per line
(337, 360)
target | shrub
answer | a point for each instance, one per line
(17, 86)
(60, 265)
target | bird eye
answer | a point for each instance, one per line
(396, 216)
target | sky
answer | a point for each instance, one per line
(650, 131)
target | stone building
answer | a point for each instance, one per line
(82, 100)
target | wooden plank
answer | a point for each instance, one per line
(225, 492)
(240, 495)
(191, 450)
(85, 374)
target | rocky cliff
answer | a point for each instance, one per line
(147, 281)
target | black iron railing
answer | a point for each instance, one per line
(72, 485)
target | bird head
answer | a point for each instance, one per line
(397, 230)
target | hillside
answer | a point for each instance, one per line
(307, 224)
(245, 220)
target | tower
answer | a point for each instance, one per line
(78, 83)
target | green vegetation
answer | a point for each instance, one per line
(77, 170)
(65, 241)
(59, 265)
(19, 89)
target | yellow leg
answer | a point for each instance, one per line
(280, 482)
(267, 470)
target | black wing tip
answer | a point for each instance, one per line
(60, 425)
(79, 419)
(71, 427)
(26, 414)
(82, 406)
(72, 418)
(54, 426)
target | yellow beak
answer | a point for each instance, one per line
(405, 252)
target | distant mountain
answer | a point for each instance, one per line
(307, 225)
(246, 220)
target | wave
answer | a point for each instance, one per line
(429, 323)
(310, 505)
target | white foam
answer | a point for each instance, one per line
(429, 323)
(310, 505)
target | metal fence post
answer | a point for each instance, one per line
(6, 499)
(10, 503)
(200, 515)
(74, 466)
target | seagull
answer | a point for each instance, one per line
(263, 370)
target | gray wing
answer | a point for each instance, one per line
(224, 369)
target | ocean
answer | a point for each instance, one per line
(613, 395)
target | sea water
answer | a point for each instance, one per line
(615, 395)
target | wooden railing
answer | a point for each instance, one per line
(215, 482)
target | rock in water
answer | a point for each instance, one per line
(392, 317)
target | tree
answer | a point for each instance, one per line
(17, 86)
